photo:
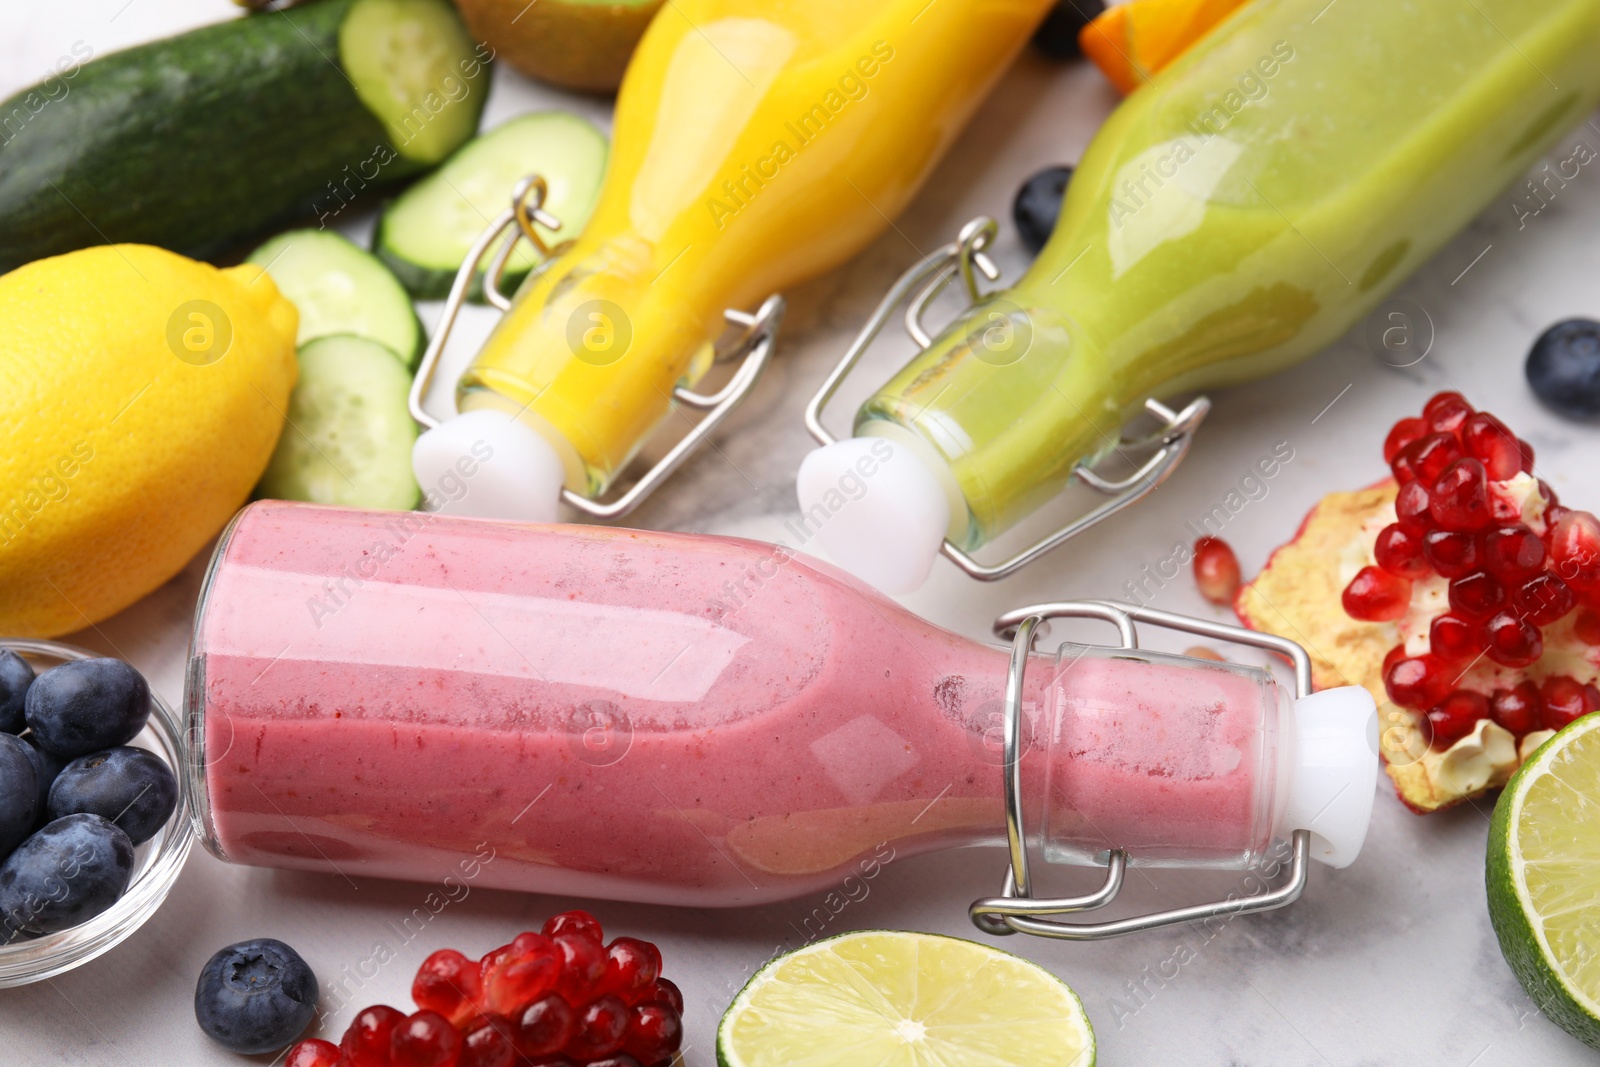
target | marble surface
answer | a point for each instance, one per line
(1391, 961)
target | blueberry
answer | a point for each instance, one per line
(1057, 35)
(1038, 205)
(86, 705)
(133, 788)
(45, 769)
(1564, 368)
(16, 674)
(256, 996)
(67, 873)
(19, 793)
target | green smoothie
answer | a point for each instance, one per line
(1238, 214)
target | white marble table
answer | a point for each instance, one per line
(1389, 962)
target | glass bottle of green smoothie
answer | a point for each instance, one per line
(1233, 217)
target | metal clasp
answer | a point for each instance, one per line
(965, 257)
(1016, 909)
(753, 343)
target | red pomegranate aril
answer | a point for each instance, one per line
(313, 1053)
(448, 983)
(1512, 553)
(1477, 596)
(1553, 515)
(632, 967)
(1426, 458)
(544, 1027)
(1402, 434)
(583, 964)
(1399, 550)
(1587, 627)
(621, 1059)
(655, 1031)
(1445, 412)
(599, 1030)
(1418, 681)
(1454, 639)
(1375, 595)
(1543, 599)
(424, 1039)
(1459, 499)
(1454, 717)
(1565, 699)
(1488, 440)
(1393, 656)
(1216, 570)
(1451, 553)
(1575, 549)
(486, 1042)
(667, 992)
(1549, 494)
(1512, 641)
(575, 922)
(366, 1042)
(1411, 505)
(1527, 456)
(1517, 709)
(520, 973)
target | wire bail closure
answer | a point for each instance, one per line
(1016, 909)
(753, 342)
(965, 258)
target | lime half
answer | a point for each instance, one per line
(1544, 877)
(887, 998)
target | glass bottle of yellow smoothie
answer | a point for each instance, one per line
(1234, 216)
(757, 143)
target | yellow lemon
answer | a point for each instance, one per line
(141, 395)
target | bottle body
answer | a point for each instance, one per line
(1233, 217)
(667, 718)
(756, 145)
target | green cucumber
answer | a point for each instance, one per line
(426, 233)
(341, 288)
(348, 437)
(201, 141)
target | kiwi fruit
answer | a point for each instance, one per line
(579, 44)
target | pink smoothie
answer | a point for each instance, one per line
(662, 717)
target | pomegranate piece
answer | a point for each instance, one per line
(574, 922)
(1518, 709)
(517, 974)
(1477, 596)
(1459, 499)
(1411, 505)
(1487, 440)
(366, 1042)
(1454, 639)
(1527, 456)
(1454, 717)
(1587, 627)
(448, 983)
(1575, 550)
(1404, 433)
(1513, 641)
(667, 992)
(600, 1028)
(1564, 700)
(424, 1039)
(1513, 553)
(1543, 599)
(1216, 570)
(1451, 553)
(655, 1032)
(543, 1027)
(313, 1053)
(632, 967)
(1425, 459)
(1418, 681)
(1446, 411)
(1399, 550)
(486, 1042)
(583, 964)
(1375, 595)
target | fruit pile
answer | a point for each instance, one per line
(1478, 537)
(74, 798)
(557, 998)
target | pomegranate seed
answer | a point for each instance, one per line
(655, 1032)
(424, 1039)
(1445, 412)
(544, 1027)
(1543, 599)
(1518, 709)
(1393, 656)
(517, 974)
(1454, 717)
(1202, 652)
(1487, 440)
(632, 967)
(1587, 627)
(1476, 596)
(1375, 595)
(667, 992)
(1513, 642)
(313, 1053)
(487, 1043)
(1426, 458)
(1216, 570)
(622, 1059)
(1454, 639)
(1402, 434)
(1451, 553)
(1548, 493)
(1564, 701)
(366, 1042)
(1460, 497)
(1399, 550)
(448, 983)
(1575, 549)
(575, 922)
(1527, 456)
(1552, 515)
(1411, 504)
(1512, 553)
(583, 964)
(600, 1028)
(1417, 681)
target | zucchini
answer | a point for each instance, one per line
(199, 142)
(426, 233)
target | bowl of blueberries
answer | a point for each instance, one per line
(93, 814)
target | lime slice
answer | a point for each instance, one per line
(887, 998)
(1544, 877)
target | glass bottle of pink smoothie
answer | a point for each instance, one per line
(694, 720)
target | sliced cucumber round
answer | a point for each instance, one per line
(349, 434)
(426, 233)
(341, 288)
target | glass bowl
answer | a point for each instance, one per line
(157, 862)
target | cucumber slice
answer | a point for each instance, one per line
(341, 288)
(348, 437)
(426, 233)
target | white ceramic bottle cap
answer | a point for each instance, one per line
(1333, 773)
(488, 464)
(880, 513)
